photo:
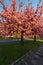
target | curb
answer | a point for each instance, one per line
(20, 58)
(25, 55)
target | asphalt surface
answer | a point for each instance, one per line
(9, 41)
(32, 58)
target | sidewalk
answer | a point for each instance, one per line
(32, 58)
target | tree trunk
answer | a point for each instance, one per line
(34, 38)
(22, 38)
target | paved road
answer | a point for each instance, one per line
(32, 58)
(9, 41)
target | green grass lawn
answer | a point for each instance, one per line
(11, 52)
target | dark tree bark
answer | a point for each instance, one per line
(22, 38)
(34, 38)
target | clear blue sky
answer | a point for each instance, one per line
(7, 2)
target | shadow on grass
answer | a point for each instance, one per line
(11, 52)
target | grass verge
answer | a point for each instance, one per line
(11, 52)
